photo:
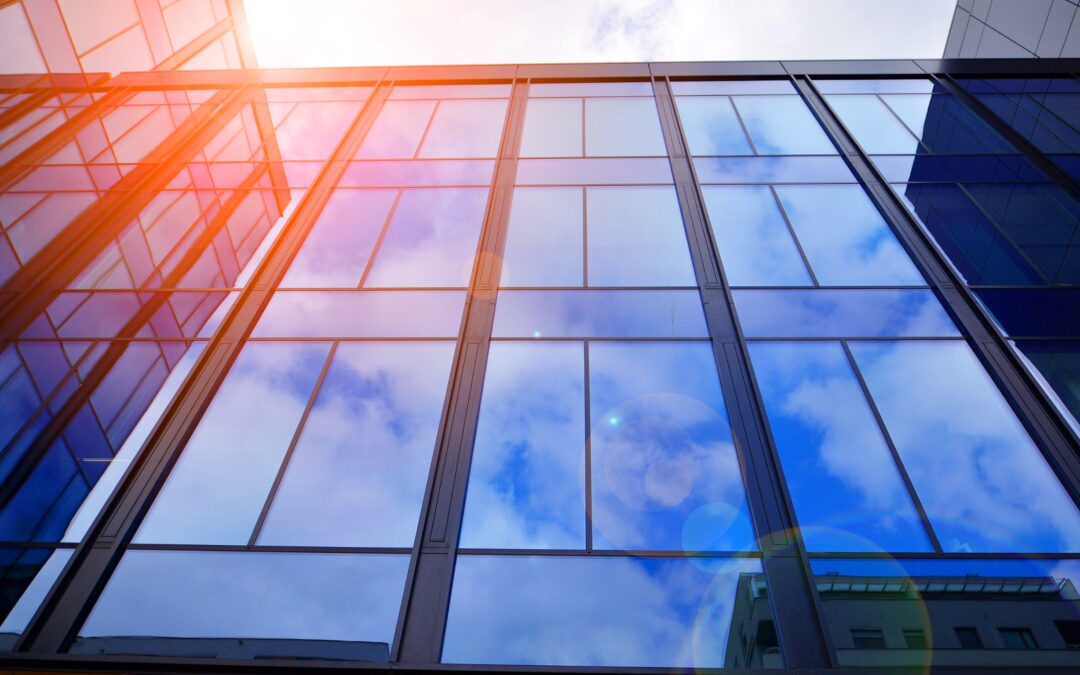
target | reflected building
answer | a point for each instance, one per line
(608, 366)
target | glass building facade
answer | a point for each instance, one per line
(669, 366)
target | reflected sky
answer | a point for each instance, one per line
(553, 128)
(544, 241)
(845, 238)
(782, 125)
(588, 313)
(469, 128)
(300, 596)
(842, 313)
(526, 484)
(617, 127)
(873, 125)
(985, 485)
(29, 599)
(216, 490)
(711, 126)
(601, 611)
(397, 130)
(664, 471)
(753, 237)
(321, 314)
(840, 473)
(357, 475)
(592, 170)
(772, 170)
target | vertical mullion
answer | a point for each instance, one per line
(915, 500)
(59, 617)
(791, 589)
(585, 236)
(588, 451)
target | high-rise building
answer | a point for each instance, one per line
(1008, 29)
(602, 366)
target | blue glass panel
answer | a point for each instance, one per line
(544, 242)
(553, 128)
(772, 170)
(337, 249)
(753, 237)
(712, 127)
(664, 471)
(985, 486)
(874, 126)
(829, 313)
(1058, 361)
(397, 130)
(357, 475)
(216, 491)
(361, 314)
(1034, 312)
(26, 581)
(248, 605)
(465, 129)
(526, 482)
(841, 475)
(419, 173)
(891, 86)
(715, 87)
(616, 127)
(431, 239)
(601, 611)
(845, 238)
(559, 89)
(945, 124)
(636, 238)
(593, 171)
(534, 314)
(782, 125)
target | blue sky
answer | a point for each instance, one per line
(402, 32)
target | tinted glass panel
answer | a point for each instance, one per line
(544, 245)
(711, 126)
(397, 130)
(782, 125)
(985, 485)
(599, 314)
(28, 576)
(362, 314)
(357, 474)
(594, 171)
(847, 491)
(465, 129)
(622, 126)
(553, 128)
(599, 611)
(773, 170)
(636, 238)
(526, 484)
(664, 471)
(874, 126)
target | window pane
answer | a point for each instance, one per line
(873, 125)
(357, 475)
(636, 238)
(842, 313)
(782, 125)
(600, 611)
(419, 173)
(544, 244)
(248, 605)
(593, 171)
(753, 237)
(711, 126)
(397, 131)
(216, 490)
(985, 485)
(534, 314)
(622, 127)
(28, 575)
(701, 87)
(431, 239)
(526, 484)
(664, 471)
(773, 170)
(340, 243)
(555, 89)
(552, 128)
(465, 129)
(361, 314)
(845, 238)
(842, 477)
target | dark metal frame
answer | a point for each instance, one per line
(424, 605)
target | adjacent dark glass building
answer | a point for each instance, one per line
(608, 366)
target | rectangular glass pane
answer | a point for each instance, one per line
(527, 477)
(665, 475)
(622, 127)
(419, 173)
(603, 611)
(824, 313)
(558, 89)
(357, 474)
(534, 314)
(397, 130)
(465, 129)
(544, 242)
(845, 238)
(362, 314)
(985, 485)
(712, 127)
(636, 170)
(216, 491)
(715, 87)
(736, 170)
(553, 128)
(753, 238)
(636, 238)
(873, 125)
(431, 239)
(28, 575)
(415, 91)
(248, 605)
(782, 125)
(841, 475)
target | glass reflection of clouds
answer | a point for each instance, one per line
(985, 485)
(712, 126)
(599, 611)
(527, 476)
(589, 313)
(842, 478)
(544, 240)
(782, 125)
(357, 474)
(665, 476)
